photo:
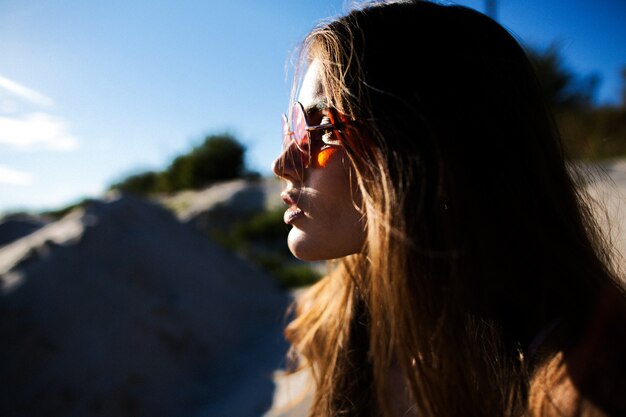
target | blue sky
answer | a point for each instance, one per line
(91, 91)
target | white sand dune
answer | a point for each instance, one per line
(121, 310)
(608, 190)
(225, 201)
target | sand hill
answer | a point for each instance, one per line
(608, 189)
(119, 309)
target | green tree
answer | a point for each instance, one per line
(562, 88)
(219, 157)
(143, 183)
(179, 173)
(588, 130)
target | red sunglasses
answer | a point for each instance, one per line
(297, 129)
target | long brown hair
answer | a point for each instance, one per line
(477, 235)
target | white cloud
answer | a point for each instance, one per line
(36, 131)
(8, 106)
(25, 92)
(13, 177)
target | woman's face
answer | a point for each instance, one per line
(323, 198)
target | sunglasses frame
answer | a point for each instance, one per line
(289, 132)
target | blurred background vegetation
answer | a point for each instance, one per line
(590, 132)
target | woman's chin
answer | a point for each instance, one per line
(310, 248)
(301, 246)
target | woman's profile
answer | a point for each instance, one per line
(470, 277)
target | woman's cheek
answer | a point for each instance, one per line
(324, 156)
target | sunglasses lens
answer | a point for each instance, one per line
(286, 132)
(295, 130)
(298, 127)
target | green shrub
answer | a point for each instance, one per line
(143, 183)
(288, 274)
(264, 226)
(218, 158)
(593, 134)
(261, 239)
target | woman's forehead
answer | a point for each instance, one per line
(311, 93)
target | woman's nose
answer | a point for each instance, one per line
(289, 164)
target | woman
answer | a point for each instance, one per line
(472, 279)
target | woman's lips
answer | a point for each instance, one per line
(291, 214)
